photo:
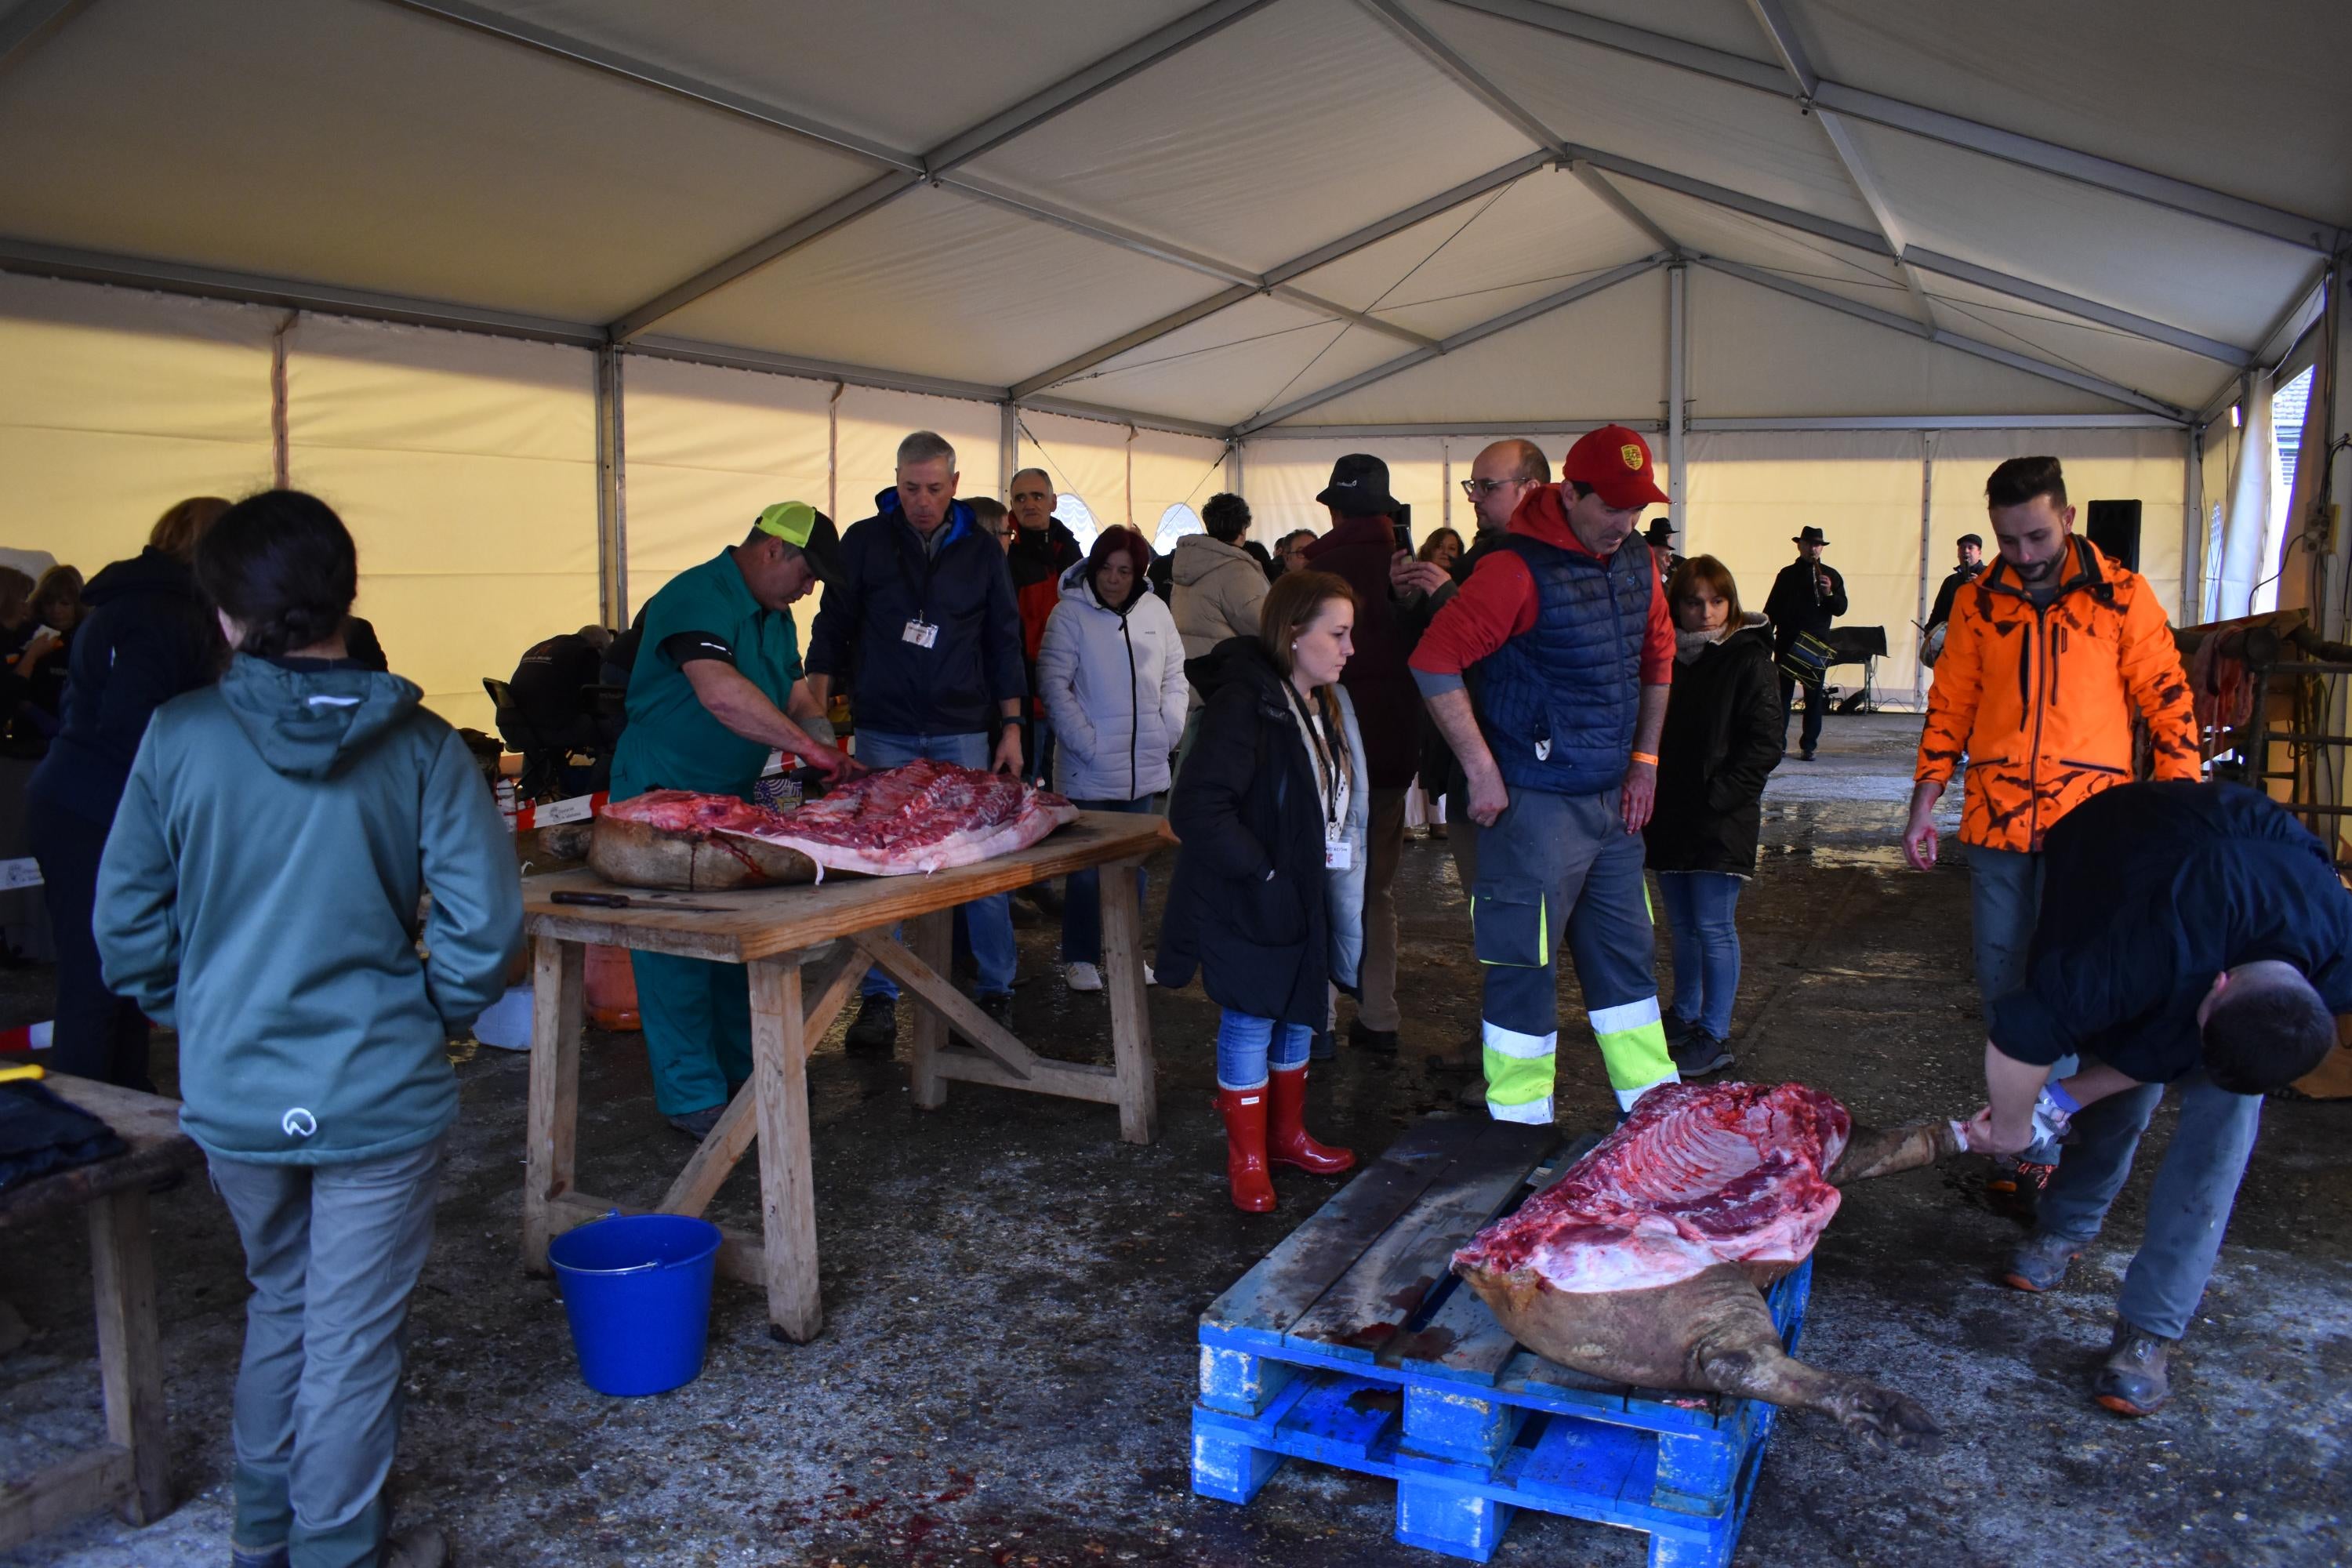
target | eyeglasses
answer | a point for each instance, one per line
(1473, 488)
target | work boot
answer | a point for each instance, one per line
(2133, 1381)
(422, 1547)
(696, 1124)
(1244, 1113)
(1287, 1138)
(1698, 1053)
(876, 1032)
(1379, 1042)
(2039, 1263)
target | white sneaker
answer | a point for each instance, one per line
(1083, 977)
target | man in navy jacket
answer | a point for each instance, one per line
(2190, 934)
(924, 617)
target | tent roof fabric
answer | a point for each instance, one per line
(1235, 216)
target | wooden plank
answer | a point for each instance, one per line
(129, 1356)
(718, 1155)
(740, 1256)
(762, 922)
(35, 1504)
(1130, 1015)
(932, 939)
(1286, 1283)
(935, 991)
(787, 1186)
(551, 1123)
(1368, 1308)
(1070, 1081)
(148, 1123)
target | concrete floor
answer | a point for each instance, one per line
(1011, 1294)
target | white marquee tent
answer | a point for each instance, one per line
(547, 297)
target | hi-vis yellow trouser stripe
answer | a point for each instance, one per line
(1519, 1072)
(1633, 1040)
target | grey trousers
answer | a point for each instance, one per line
(2005, 901)
(1462, 838)
(333, 1252)
(2188, 1206)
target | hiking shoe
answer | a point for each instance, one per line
(2015, 1188)
(1698, 1053)
(696, 1124)
(422, 1547)
(1379, 1042)
(876, 1028)
(257, 1557)
(1808, 754)
(2133, 1380)
(2040, 1264)
(1083, 977)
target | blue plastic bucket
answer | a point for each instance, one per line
(637, 1290)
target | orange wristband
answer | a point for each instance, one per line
(1645, 757)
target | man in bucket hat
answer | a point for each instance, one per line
(1806, 596)
(1567, 623)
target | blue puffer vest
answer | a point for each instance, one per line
(1560, 700)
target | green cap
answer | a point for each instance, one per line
(807, 530)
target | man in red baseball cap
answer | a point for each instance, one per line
(1565, 632)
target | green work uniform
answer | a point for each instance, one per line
(698, 1015)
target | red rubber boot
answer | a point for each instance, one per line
(1287, 1143)
(1244, 1113)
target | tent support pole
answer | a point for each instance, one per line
(611, 514)
(2192, 533)
(1678, 357)
(1927, 556)
(1008, 446)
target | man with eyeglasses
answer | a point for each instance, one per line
(1039, 549)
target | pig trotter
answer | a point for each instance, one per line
(1879, 1416)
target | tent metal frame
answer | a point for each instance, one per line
(1498, 430)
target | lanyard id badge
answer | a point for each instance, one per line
(921, 633)
(1339, 850)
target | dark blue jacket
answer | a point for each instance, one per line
(147, 637)
(1560, 700)
(2151, 890)
(952, 688)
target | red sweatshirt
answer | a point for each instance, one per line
(1499, 602)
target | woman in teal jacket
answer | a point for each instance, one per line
(260, 892)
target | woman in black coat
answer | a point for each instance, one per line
(1722, 740)
(1272, 811)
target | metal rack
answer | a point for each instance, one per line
(2289, 667)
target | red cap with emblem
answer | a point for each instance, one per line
(1614, 461)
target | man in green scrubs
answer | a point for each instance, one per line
(716, 686)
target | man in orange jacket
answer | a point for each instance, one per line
(2049, 655)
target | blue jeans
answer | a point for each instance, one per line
(1246, 1046)
(1702, 909)
(2187, 1206)
(990, 920)
(1082, 894)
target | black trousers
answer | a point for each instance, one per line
(1816, 705)
(98, 1035)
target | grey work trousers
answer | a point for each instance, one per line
(2187, 1208)
(1377, 1006)
(333, 1253)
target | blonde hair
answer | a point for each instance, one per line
(1293, 601)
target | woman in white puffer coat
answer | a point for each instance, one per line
(1111, 674)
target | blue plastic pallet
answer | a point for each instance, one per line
(1353, 1345)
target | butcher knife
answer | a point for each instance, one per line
(623, 902)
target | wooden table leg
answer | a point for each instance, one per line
(1130, 1017)
(787, 1188)
(932, 939)
(558, 970)
(129, 1356)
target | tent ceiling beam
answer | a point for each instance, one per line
(1904, 324)
(2050, 157)
(253, 289)
(1621, 204)
(2278, 345)
(1077, 410)
(935, 164)
(1298, 266)
(1436, 52)
(1497, 430)
(1462, 339)
(31, 23)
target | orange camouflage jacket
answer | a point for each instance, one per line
(2041, 700)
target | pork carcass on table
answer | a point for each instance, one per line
(1644, 1263)
(920, 817)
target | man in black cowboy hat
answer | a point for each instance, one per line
(1806, 596)
(1660, 536)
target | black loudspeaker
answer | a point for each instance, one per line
(2114, 528)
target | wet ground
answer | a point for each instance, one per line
(1011, 1295)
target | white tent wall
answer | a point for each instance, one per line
(1174, 470)
(705, 450)
(117, 403)
(1085, 457)
(870, 425)
(1283, 477)
(2144, 466)
(1751, 493)
(465, 466)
